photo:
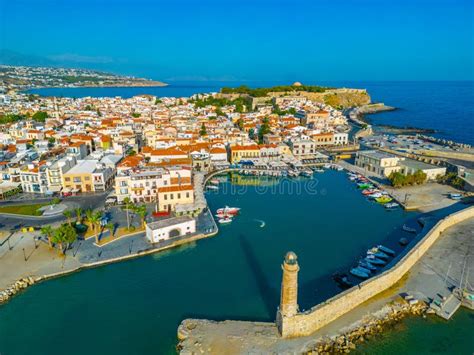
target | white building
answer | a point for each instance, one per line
(170, 228)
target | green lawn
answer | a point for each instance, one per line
(30, 210)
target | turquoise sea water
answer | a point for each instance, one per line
(446, 106)
(135, 307)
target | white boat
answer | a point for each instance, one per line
(318, 170)
(214, 181)
(225, 220)
(391, 205)
(455, 196)
(212, 187)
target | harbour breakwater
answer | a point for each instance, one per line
(306, 323)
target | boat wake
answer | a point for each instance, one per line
(262, 223)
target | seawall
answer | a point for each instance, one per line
(305, 323)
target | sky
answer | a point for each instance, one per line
(248, 40)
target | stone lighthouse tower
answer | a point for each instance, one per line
(289, 291)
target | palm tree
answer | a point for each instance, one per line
(78, 211)
(128, 205)
(68, 215)
(89, 216)
(48, 231)
(111, 228)
(142, 212)
(64, 236)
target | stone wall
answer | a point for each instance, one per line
(305, 323)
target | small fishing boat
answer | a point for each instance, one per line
(383, 199)
(403, 241)
(214, 181)
(364, 185)
(327, 166)
(367, 265)
(319, 170)
(377, 253)
(307, 173)
(225, 220)
(293, 173)
(212, 187)
(342, 280)
(339, 168)
(353, 178)
(408, 229)
(391, 205)
(359, 272)
(369, 191)
(385, 250)
(375, 261)
(228, 210)
(375, 195)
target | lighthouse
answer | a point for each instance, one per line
(289, 290)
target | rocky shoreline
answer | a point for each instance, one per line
(368, 328)
(16, 287)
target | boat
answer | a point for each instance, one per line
(385, 250)
(369, 191)
(408, 229)
(403, 241)
(455, 196)
(228, 210)
(293, 173)
(339, 168)
(319, 170)
(342, 280)
(327, 166)
(212, 187)
(307, 173)
(214, 181)
(225, 220)
(391, 205)
(364, 185)
(383, 199)
(367, 265)
(357, 271)
(374, 260)
(375, 195)
(377, 253)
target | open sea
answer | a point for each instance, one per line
(135, 307)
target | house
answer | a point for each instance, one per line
(170, 196)
(243, 152)
(170, 228)
(379, 163)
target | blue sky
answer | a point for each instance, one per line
(305, 40)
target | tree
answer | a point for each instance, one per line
(111, 228)
(128, 204)
(40, 116)
(240, 124)
(136, 114)
(142, 212)
(89, 217)
(68, 215)
(78, 212)
(264, 129)
(203, 131)
(48, 231)
(64, 236)
(252, 133)
(96, 218)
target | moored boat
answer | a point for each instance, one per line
(342, 280)
(385, 250)
(228, 210)
(408, 229)
(369, 191)
(367, 265)
(359, 272)
(455, 196)
(383, 199)
(391, 205)
(225, 220)
(377, 253)
(374, 260)
(214, 181)
(403, 241)
(212, 187)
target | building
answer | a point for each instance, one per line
(55, 171)
(243, 152)
(170, 196)
(410, 166)
(377, 162)
(302, 147)
(88, 175)
(289, 291)
(170, 228)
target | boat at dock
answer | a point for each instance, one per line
(391, 205)
(364, 185)
(374, 260)
(307, 173)
(214, 181)
(367, 265)
(367, 192)
(342, 280)
(383, 199)
(359, 272)
(212, 187)
(408, 229)
(385, 250)
(375, 195)
(377, 253)
(403, 241)
(455, 196)
(319, 170)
